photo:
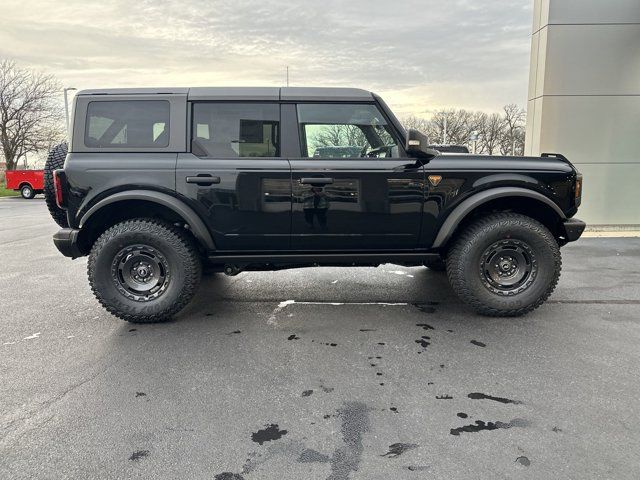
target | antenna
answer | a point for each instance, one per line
(287, 75)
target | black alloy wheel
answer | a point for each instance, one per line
(508, 267)
(140, 272)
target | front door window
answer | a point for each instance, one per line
(345, 131)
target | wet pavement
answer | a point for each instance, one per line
(326, 373)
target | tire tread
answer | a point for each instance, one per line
(459, 254)
(185, 248)
(55, 160)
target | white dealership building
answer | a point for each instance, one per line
(584, 100)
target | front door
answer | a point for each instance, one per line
(352, 187)
(234, 176)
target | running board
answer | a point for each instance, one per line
(323, 258)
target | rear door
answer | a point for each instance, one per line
(235, 177)
(353, 186)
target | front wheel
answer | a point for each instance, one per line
(505, 264)
(144, 271)
(27, 192)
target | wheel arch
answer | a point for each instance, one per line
(25, 184)
(140, 203)
(520, 200)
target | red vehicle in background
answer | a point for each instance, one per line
(27, 182)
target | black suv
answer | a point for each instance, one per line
(159, 182)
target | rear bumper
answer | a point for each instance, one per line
(573, 228)
(66, 241)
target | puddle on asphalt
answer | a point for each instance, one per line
(268, 434)
(480, 426)
(482, 396)
(397, 449)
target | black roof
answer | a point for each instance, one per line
(246, 93)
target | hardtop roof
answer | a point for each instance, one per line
(245, 93)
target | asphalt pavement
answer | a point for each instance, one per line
(325, 373)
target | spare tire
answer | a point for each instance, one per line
(55, 160)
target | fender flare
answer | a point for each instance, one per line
(466, 206)
(191, 218)
(22, 184)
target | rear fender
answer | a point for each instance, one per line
(191, 218)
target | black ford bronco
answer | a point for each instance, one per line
(158, 183)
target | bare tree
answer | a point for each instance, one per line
(491, 128)
(338, 135)
(455, 123)
(476, 125)
(459, 125)
(513, 138)
(330, 135)
(30, 113)
(355, 136)
(417, 123)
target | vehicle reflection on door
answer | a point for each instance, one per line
(317, 201)
(247, 208)
(275, 195)
(316, 205)
(351, 205)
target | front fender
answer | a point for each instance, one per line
(466, 206)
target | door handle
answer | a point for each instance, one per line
(316, 181)
(203, 179)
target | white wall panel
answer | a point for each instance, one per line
(593, 11)
(590, 60)
(610, 194)
(604, 130)
(584, 99)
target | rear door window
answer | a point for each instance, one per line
(127, 124)
(230, 130)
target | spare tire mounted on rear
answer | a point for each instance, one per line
(55, 160)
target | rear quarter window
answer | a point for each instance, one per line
(230, 130)
(127, 124)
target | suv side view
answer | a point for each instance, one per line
(159, 182)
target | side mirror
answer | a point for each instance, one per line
(417, 145)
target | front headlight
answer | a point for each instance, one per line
(577, 189)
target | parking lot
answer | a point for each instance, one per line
(327, 373)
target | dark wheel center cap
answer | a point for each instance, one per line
(505, 265)
(143, 272)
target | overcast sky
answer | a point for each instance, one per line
(421, 55)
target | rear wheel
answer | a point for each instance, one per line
(55, 160)
(505, 264)
(27, 192)
(144, 271)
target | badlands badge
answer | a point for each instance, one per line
(435, 180)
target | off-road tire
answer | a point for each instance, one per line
(55, 161)
(466, 256)
(437, 265)
(175, 247)
(27, 192)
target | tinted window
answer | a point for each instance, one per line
(122, 124)
(229, 130)
(345, 131)
(450, 148)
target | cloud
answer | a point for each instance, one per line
(422, 55)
